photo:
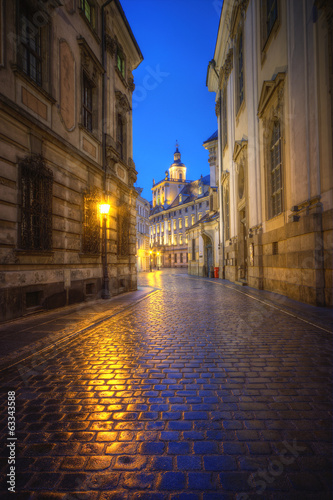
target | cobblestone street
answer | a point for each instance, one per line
(199, 391)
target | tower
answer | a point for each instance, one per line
(177, 170)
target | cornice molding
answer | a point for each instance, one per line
(269, 89)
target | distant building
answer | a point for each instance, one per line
(177, 205)
(273, 78)
(203, 235)
(65, 148)
(142, 232)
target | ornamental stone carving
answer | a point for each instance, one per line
(110, 45)
(218, 107)
(122, 101)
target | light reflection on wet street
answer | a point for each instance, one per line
(197, 392)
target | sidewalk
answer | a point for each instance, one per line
(27, 336)
(318, 316)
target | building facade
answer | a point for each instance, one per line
(203, 235)
(66, 147)
(142, 233)
(272, 75)
(177, 205)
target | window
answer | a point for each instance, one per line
(275, 171)
(87, 103)
(175, 225)
(36, 205)
(186, 221)
(186, 209)
(180, 223)
(180, 239)
(120, 62)
(121, 137)
(193, 219)
(31, 38)
(180, 198)
(269, 13)
(169, 226)
(88, 11)
(181, 258)
(240, 71)
(227, 211)
(200, 189)
(193, 249)
(175, 258)
(199, 215)
(91, 223)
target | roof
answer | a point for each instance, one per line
(189, 193)
(129, 29)
(204, 220)
(213, 137)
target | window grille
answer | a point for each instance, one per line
(87, 103)
(36, 204)
(276, 175)
(91, 223)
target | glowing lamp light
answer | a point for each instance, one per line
(104, 208)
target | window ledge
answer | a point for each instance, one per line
(122, 78)
(93, 134)
(19, 72)
(89, 255)
(40, 253)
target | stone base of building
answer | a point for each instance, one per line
(294, 260)
(20, 301)
(196, 269)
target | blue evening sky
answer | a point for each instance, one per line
(171, 101)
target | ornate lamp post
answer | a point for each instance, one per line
(104, 209)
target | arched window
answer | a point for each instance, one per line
(276, 170)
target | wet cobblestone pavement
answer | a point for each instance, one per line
(197, 393)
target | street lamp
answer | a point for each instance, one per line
(104, 208)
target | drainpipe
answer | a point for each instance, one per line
(105, 290)
(103, 92)
(220, 182)
(220, 155)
